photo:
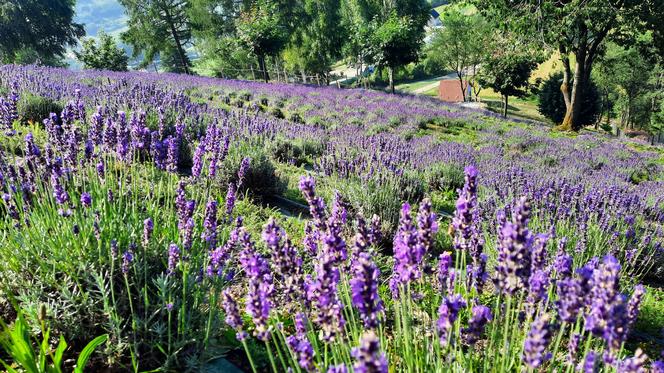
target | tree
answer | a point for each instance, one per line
(157, 27)
(262, 31)
(508, 73)
(463, 43)
(630, 74)
(40, 28)
(317, 41)
(392, 43)
(102, 55)
(578, 28)
(551, 103)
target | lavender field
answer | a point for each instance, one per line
(163, 222)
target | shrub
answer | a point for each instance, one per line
(277, 113)
(285, 150)
(552, 104)
(34, 109)
(260, 180)
(445, 177)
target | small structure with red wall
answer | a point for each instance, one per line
(449, 90)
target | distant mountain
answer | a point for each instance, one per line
(107, 15)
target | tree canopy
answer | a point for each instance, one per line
(103, 54)
(578, 28)
(40, 29)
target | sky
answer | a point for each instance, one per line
(107, 15)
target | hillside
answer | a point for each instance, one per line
(158, 202)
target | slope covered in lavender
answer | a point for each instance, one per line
(141, 209)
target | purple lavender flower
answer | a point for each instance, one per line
(406, 257)
(368, 356)
(540, 255)
(447, 315)
(304, 352)
(286, 262)
(322, 293)
(242, 172)
(444, 265)
(635, 364)
(537, 341)
(316, 205)
(607, 316)
(514, 264)
(86, 199)
(210, 224)
(337, 369)
(634, 303)
(364, 290)
(260, 288)
(233, 318)
(538, 286)
(657, 367)
(375, 233)
(100, 169)
(589, 364)
(173, 258)
(573, 348)
(427, 227)
(188, 234)
(481, 315)
(230, 199)
(148, 227)
(464, 218)
(197, 163)
(59, 193)
(172, 153)
(570, 299)
(127, 259)
(114, 249)
(311, 238)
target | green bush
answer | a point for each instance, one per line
(552, 104)
(34, 109)
(260, 180)
(285, 150)
(445, 176)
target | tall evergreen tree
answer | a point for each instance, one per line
(159, 27)
(42, 29)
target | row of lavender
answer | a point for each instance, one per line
(100, 156)
(579, 184)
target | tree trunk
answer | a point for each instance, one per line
(463, 89)
(261, 64)
(505, 105)
(390, 73)
(178, 43)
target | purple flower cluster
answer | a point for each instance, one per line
(368, 356)
(364, 290)
(514, 251)
(448, 312)
(537, 342)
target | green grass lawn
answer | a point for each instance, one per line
(417, 84)
(525, 108)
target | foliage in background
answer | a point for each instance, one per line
(38, 28)
(102, 54)
(159, 28)
(551, 103)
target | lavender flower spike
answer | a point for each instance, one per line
(368, 356)
(537, 341)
